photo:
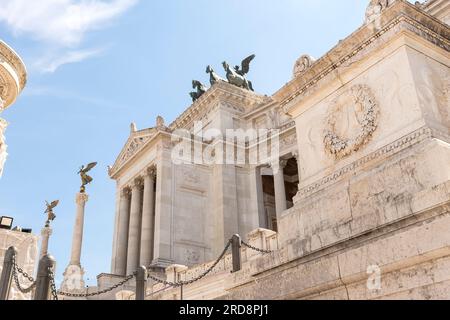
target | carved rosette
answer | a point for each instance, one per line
(352, 119)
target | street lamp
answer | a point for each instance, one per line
(6, 223)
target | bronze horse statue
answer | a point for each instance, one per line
(201, 89)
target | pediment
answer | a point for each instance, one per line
(134, 144)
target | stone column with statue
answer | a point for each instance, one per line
(47, 231)
(74, 274)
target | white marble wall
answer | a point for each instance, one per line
(27, 249)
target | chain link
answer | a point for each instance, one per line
(204, 274)
(98, 293)
(16, 271)
(52, 284)
(55, 293)
(256, 249)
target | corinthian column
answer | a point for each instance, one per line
(134, 231)
(280, 190)
(122, 233)
(148, 219)
(77, 239)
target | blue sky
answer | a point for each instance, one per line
(96, 66)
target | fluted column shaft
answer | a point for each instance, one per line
(148, 219)
(77, 239)
(122, 236)
(280, 190)
(134, 231)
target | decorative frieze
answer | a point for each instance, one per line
(397, 146)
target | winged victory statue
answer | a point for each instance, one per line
(85, 178)
(237, 75)
(49, 211)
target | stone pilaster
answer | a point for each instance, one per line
(148, 219)
(134, 231)
(256, 192)
(280, 190)
(163, 239)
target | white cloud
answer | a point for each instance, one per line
(51, 64)
(61, 24)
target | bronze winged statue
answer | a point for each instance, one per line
(85, 179)
(237, 75)
(49, 211)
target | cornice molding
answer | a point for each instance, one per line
(220, 92)
(13, 73)
(399, 12)
(136, 142)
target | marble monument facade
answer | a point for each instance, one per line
(356, 202)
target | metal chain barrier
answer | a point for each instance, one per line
(52, 284)
(98, 293)
(16, 271)
(204, 274)
(256, 249)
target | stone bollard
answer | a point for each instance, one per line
(7, 273)
(43, 278)
(141, 283)
(236, 252)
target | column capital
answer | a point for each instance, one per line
(125, 192)
(81, 198)
(136, 183)
(150, 172)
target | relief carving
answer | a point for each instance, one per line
(375, 8)
(289, 141)
(132, 149)
(190, 178)
(352, 119)
(302, 64)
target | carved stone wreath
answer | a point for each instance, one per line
(352, 120)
